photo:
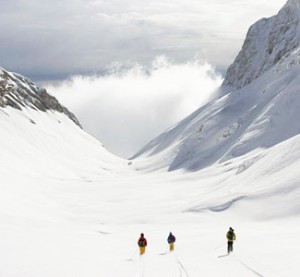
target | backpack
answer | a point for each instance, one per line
(230, 235)
(142, 242)
(171, 239)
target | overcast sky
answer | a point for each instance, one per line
(54, 38)
(127, 69)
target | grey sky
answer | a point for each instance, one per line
(160, 45)
(51, 39)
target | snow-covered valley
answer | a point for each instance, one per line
(70, 208)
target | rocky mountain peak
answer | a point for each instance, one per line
(268, 42)
(19, 92)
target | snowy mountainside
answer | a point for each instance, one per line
(260, 114)
(41, 137)
(257, 116)
(66, 205)
(19, 92)
(268, 42)
(70, 208)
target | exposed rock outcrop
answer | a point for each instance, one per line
(19, 92)
(268, 42)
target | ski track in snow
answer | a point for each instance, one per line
(142, 267)
(251, 269)
(181, 268)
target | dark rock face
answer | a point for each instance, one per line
(19, 92)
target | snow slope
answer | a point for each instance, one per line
(68, 208)
(256, 115)
(18, 92)
(259, 115)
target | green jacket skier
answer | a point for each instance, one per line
(231, 237)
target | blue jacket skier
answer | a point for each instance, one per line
(171, 240)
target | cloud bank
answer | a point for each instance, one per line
(50, 39)
(127, 107)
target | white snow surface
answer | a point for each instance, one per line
(71, 209)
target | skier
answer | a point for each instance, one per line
(142, 243)
(230, 239)
(171, 241)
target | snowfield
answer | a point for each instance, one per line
(71, 209)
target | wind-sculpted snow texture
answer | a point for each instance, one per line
(256, 115)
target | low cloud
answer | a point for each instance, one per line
(126, 108)
(53, 38)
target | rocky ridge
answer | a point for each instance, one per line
(268, 42)
(19, 92)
